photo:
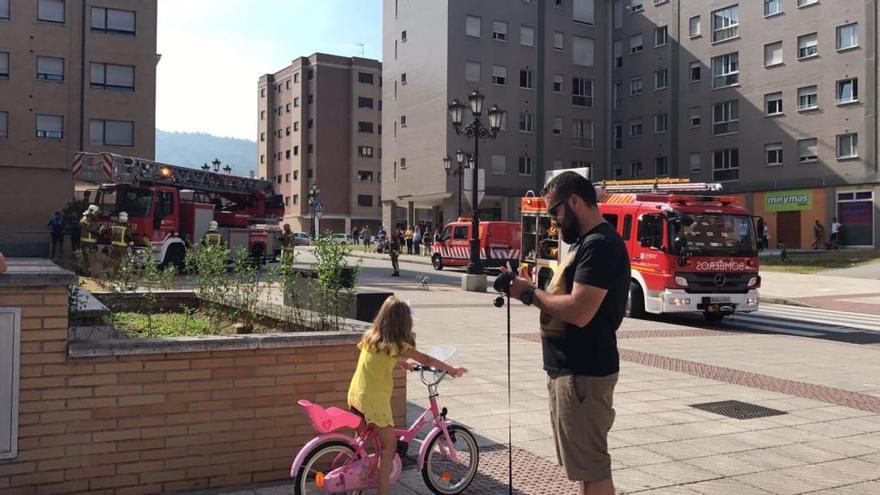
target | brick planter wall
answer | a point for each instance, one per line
(143, 417)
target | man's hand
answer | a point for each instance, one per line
(519, 283)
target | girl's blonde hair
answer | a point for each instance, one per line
(391, 328)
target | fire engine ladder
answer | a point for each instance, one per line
(108, 167)
(657, 186)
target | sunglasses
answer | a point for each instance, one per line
(555, 206)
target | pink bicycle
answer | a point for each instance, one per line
(336, 462)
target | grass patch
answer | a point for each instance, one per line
(162, 325)
(817, 261)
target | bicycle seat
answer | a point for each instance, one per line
(331, 418)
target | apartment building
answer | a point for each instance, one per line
(774, 98)
(73, 76)
(539, 61)
(320, 123)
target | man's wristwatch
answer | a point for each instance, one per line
(528, 295)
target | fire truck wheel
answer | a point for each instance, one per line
(176, 257)
(437, 261)
(713, 316)
(635, 304)
(257, 254)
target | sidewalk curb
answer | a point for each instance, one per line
(786, 302)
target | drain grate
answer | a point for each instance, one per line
(738, 410)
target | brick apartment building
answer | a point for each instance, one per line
(775, 98)
(73, 76)
(319, 122)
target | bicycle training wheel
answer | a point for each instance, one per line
(322, 459)
(444, 476)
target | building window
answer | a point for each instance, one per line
(808, 45)
(695, 117)
(583, 11)
(661, 36)
(295, 101)
(725, 23)
(695, 163)
(773, 154)
(696, 71)
(635, 86)
(295, 199)
(4, 9)
(635, 169)
(472, 26)
(113, 20)
(310, 148)
(635, 43)
(661, 79)
(363, 77)
(618, 136)
(773, 104)
(725, 117)
(773, 54)
(557, 83)
(725, 70)
(310, 173)
(365, 200)
(772, 7)
(262, 158)
(847, 36)
(847, 146)
(558, 41)
(365, 127)
(365, 151)
(4, 65)
(310, 99)
(51, 11)
(111, 133)
(365, 175)
(525, 165)
(118, 77)
(296, 151)
(694, 26)
(472, 71)
(635, 128)
(295, 77)
(403, 121)
(4, 124)
(808, 98)
(287, 154)
(403, 78)
(725, 164)
(618, 54)
(498, 164)
(50, 68)
(525, 122)
(403, 35)
(847, 91)
(499, 75)
(50, 126)
(806, 3)
(617, 94)
(557, 126)
(365, 102)
(661, 166)
(636, 6)
(661, 123)
(499, 30)
(807, 150)
(581, 92)
(287, 108)
(582, 51)
(262, 112)
(296, 175)
(527, 36)
(403, 163)
(582, 132)
(526, 79)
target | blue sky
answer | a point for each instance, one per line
(214, 52)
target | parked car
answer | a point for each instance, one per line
(342, 238)
(302, 239)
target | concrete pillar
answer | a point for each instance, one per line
(347, 224)
(410, 213)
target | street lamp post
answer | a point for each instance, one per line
(477, 130)
(458, 170)
(314, 191)
(206, 167)
(227, 169)
(216, 164)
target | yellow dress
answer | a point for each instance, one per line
(372, 384)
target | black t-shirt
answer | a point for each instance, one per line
(601, 260)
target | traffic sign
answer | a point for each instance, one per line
(468, 185)
(319, 208)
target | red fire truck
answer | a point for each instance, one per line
(691, 249)
(170, 207)
(499, 244)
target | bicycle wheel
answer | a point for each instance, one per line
(444, 476)
(322, 459)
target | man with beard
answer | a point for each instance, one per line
(580, 313)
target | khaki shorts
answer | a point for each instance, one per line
(581, 414)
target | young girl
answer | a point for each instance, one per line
(389, 342)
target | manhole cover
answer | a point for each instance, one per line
(738, 410)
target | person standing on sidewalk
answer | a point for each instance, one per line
(581, 310)
(408, 235)
(394, 253)
(417, 240)
(818, 234)
(56, 230)
(834, 242)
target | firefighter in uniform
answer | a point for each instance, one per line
(394, 252)
(120, 241)
(286, 241)
(212, 237)
(89, 231)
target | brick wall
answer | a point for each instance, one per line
(154, 423)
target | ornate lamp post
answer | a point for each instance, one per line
(314, 191)
(227, 169)
(206, 167)
(458, 171)
(477, 130)
(216, 164)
